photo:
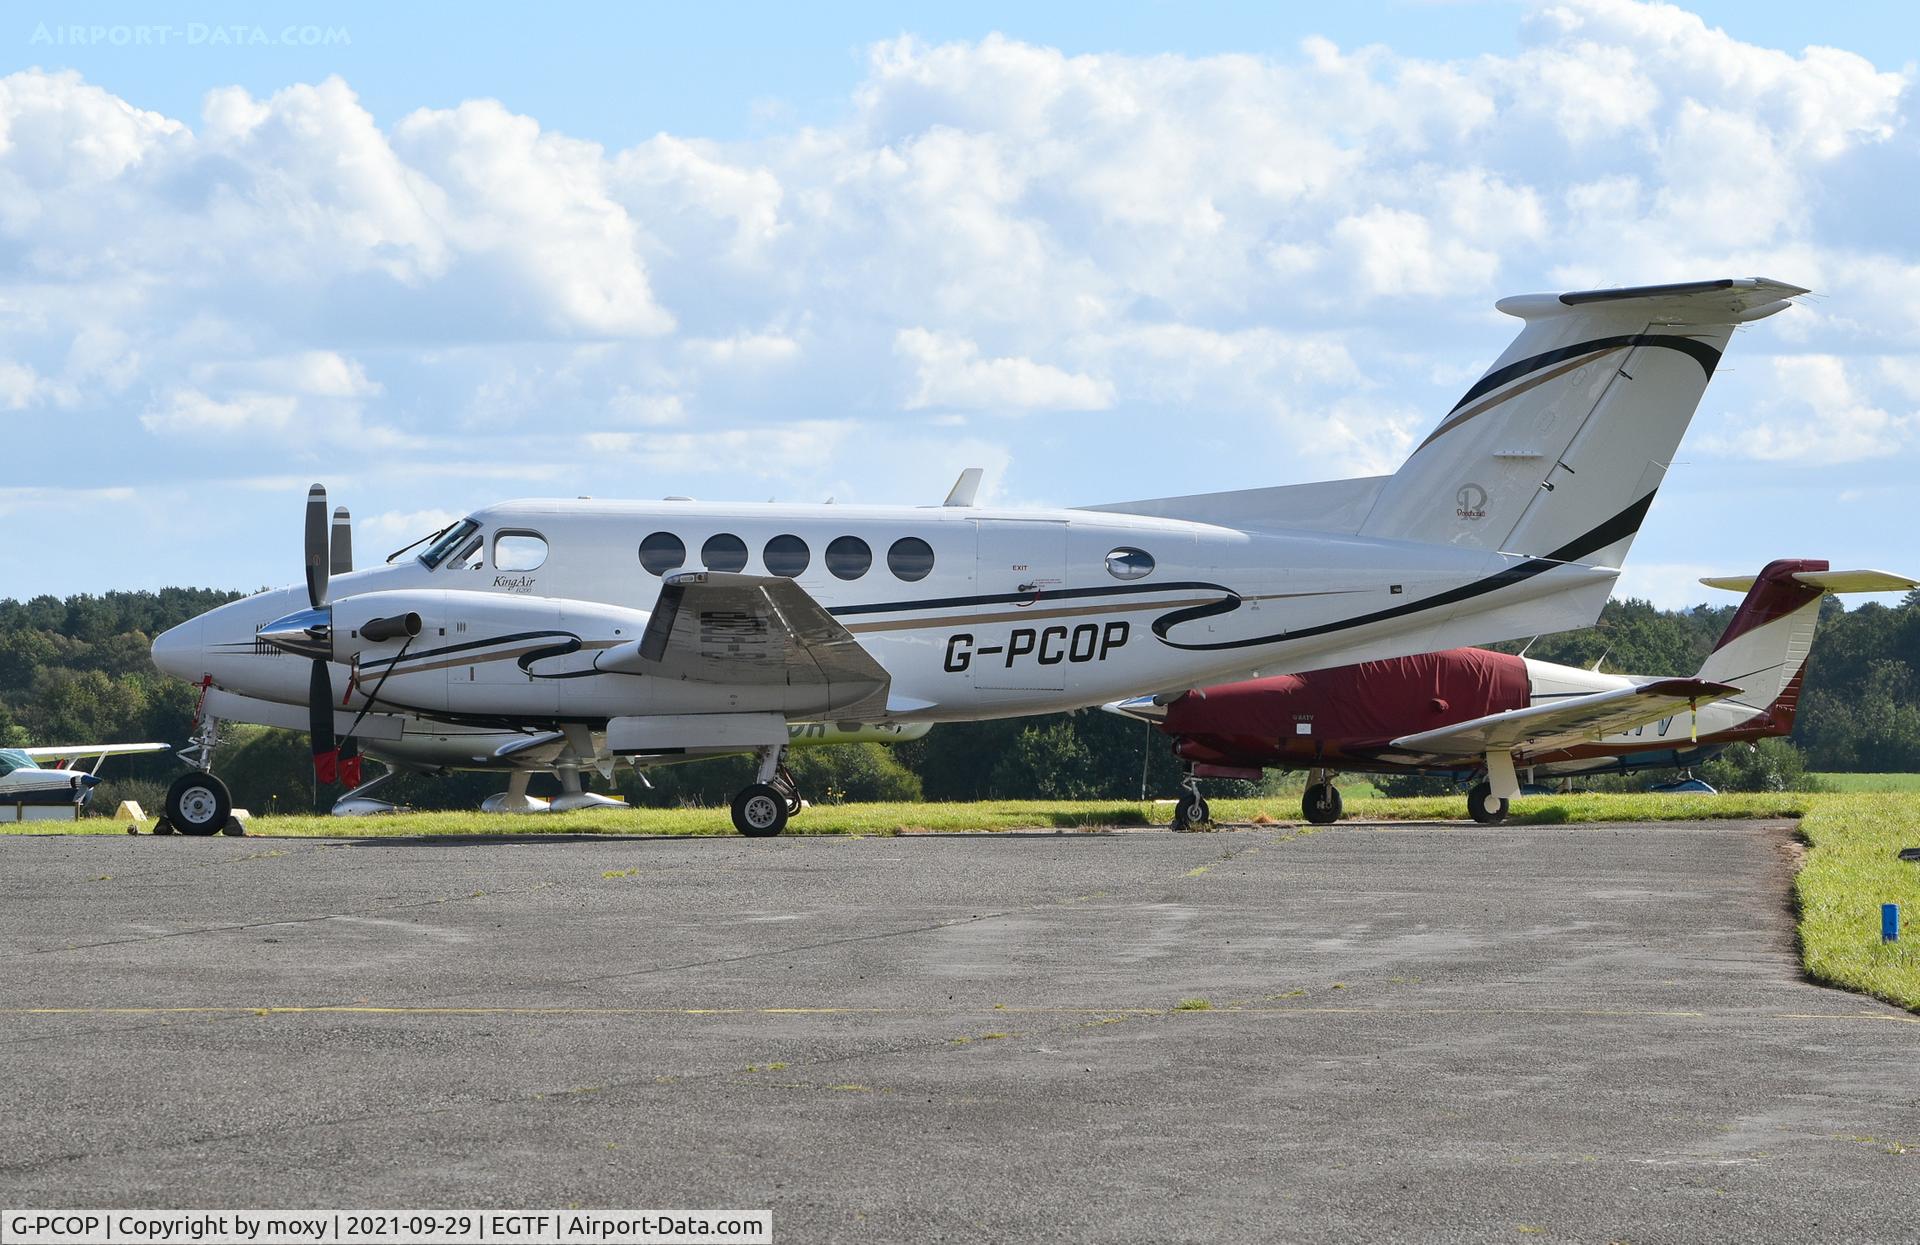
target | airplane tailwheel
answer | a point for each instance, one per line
(1320, 803)
(1191, 810)
(760, 811)
(1483, 807)
(198, 803)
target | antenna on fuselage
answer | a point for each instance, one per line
(964, 489)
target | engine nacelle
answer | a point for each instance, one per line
(475, 653)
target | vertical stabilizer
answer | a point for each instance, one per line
(1764, 649)
(1557, 451)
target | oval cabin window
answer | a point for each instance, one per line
(519, 551)
(848, 557)
(910, 558)
(662, 552)
(724, 552)
(1129, 563)
(786, 555)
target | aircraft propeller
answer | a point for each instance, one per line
(309, 633)
(319, 560)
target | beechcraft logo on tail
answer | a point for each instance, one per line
(1473, 502)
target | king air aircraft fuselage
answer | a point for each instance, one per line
(666, 629)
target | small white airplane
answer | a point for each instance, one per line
(582, 618)
(29, 792)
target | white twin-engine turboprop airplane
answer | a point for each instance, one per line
(659, 631)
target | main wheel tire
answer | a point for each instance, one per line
(198, 804)
(1190, 810)
(1484, 808)
(1320, 803)
(759, 811)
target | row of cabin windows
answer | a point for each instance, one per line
(847, 557)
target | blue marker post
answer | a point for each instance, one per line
(1889, 922)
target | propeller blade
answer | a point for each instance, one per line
(341, 561)
(317, 556)
(326, 750)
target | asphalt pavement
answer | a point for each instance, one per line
(1380, 1033)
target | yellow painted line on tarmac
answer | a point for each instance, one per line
(1304, 1009)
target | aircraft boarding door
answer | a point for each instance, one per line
(1020, 563)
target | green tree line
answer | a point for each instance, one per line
(78, 670)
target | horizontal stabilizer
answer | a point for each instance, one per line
(1829, 581)
(1562, 723)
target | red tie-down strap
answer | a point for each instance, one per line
(326, 766)
(349, 764)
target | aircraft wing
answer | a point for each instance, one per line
(746, 630)
(1562, 723)
(83, 752)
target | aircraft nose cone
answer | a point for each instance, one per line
(89, 781)
(307, 633)
(178, 651)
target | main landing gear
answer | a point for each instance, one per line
(1320, 802)
(762, 808)
(1483, 807)
(1190, 809)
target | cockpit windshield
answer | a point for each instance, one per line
(12, 759)
(453, 539)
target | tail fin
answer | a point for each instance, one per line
(1764, 648)
(1557, 451)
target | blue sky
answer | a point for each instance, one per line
(440, 257)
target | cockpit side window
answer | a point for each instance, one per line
(453, 538)
(519, 551)
(11, 760)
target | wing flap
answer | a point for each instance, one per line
(1577, 719)
(748, 631)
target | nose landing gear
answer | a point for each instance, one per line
(197, 802)
(1190, 810)
(1320, 802)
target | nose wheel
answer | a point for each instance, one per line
(1190, 809)
(1320, 802)
(198, 803)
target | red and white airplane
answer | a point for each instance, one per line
(1468, 713)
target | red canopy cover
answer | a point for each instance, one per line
(1373, 701)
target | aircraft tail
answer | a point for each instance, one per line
(1557, 451)
(1764, 649)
